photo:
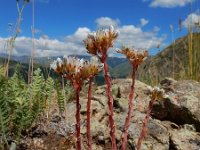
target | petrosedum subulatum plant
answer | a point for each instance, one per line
(21, 104)
(97, 44)
(136, 58)
(155, 94)
(77, 71)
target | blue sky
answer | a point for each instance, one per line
(61, 25)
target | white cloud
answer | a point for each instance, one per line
(105, 22)
(129, 35)
(79, 35)
(191, 20)
(44, 36)
(134, 37)
(168, 3)
(143, 22)
(156, 29)
(44, 46)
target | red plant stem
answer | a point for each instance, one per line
(110, 105)
(78, 130)
(88, 113)
(146, 119)
(130, 110)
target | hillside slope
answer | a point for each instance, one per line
(156, 68)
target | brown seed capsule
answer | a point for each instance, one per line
(99, 42)
(135, 57)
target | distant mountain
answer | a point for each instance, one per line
(24, 67)
(112, 61)
(116, 67)
(21, 59)
(153, 69)
(44, 61)
(121, 70)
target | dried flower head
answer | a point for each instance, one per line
(135, 56)
(76, 69)
(99, 42)
(157, 93)
(73, 66)
(57, 66)
(91, 68)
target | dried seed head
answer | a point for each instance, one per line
(99, 42)
(73, 65)
(157, 93)
(91, 68)
(136, 57)
(57, 66)
(76, 69)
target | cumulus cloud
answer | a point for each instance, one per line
(168, 3)
(143, 22)
(129, 35)
(79, 35)
(44, 46)
(156, 29)
(134, 37)
(105, 22)
(191, 20)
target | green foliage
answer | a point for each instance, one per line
(21, 104)
(18, 103)
(37, 93)
(4, 107)
(60, 96)
(1, 70)
(40, 92)
(48, 89)
(64, 94)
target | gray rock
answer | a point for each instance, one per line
(184, 139)
(168, 84)
(157, 136)
(121, 104)
(182, 106)
(95, 106)
(175, 122)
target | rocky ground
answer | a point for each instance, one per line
(174, 122)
